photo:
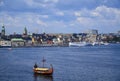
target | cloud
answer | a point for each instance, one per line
(60, 15)
(99, 12)
(41, 6)
(45, 16)
(53, 1)
(1, 3)
(88, 4)
(101, 17)
(40, 22)
(77, 14)
(41, 3)
(30, 20)
(108, 13)
(35, 3)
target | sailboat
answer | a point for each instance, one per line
(43, 70)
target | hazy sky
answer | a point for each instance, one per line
(60, 16)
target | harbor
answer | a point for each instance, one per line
(89, 38)
(59, 40)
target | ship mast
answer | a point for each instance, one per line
(43, 61)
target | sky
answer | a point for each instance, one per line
(60, 16)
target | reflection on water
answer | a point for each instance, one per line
(38, 77)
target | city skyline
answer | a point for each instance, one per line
(59, 16)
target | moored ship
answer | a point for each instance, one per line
(78, 44)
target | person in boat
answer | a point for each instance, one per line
(35, 66)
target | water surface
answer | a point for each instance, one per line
(91, 63)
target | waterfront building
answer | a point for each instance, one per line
(33, 40)
(92, 35)
(92, 38)
(4, 39)
(37, 38)
(118, 33)
(55, 41)
(93, 31)
(28, 41)
(5, 43)
(17, 42)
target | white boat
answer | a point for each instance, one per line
(99, 43)
(78, 44)
(106, 43)
(95, 43)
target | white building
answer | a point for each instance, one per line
(5, 43)
(93, 32)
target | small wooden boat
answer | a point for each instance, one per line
(43, 70)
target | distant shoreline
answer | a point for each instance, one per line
(51, 46)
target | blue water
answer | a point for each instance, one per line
(91, 63)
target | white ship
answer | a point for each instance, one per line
(99, 43)
(78, 44)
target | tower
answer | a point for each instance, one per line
(25, 31)
(3, 31)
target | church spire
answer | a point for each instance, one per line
(3, 30)
(25, 31)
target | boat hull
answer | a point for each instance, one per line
(78, 44)
(43, 72)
